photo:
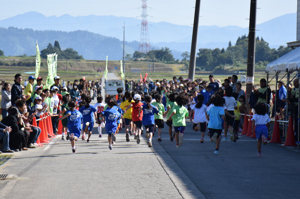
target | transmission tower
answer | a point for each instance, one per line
(144, 45)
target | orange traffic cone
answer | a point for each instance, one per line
(276, 132)
(60, 126)
(43, 136)
(249, 131)
(290, 137)
(50, 126)
(34, 123)
(245, 126)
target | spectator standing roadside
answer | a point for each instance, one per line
(6, 99)
(238, 90)
(16, 90)
(56, 83)
(234, 79)
(28, 92)
(214, 85)
(38, 83)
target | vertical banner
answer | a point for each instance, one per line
(121, 69)
(55, 65)
(105, 72)
(50, 80)
(37, 61)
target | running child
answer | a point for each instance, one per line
(89, 115)
(170, 104)
(237, 118)
(64, 109)
(159, 119)
(148, 118)
(111, 116)
(230, 104)
(262, 121)
(199, 112)
(128, 114)
(99, 106)
(74, 123)
(215, 123)
(178, 115)
(137, 115)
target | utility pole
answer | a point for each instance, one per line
(194, 41)
(251, 51)
(66, 65)
(124, 48)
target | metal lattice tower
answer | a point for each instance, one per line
(144, 45)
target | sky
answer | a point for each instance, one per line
(213, 12)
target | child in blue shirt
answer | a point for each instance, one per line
(148, 118)
(89, 114)
(111, 116)
(74, 123)
(214, 117)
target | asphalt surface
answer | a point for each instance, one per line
(137, 171)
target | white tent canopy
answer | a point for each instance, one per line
(288, 62)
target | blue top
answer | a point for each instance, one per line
(215, 119)
(74, 120)
(148, 114)
(282, 93)
(207, 95)
(88, 113)
(111, 117)
(214, 86)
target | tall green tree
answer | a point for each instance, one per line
(1, 52)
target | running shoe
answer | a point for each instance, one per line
(130, 132)
(147, 135)
(100, 135)
(135, 136)
(201, 140)
(150, 143)
(216, 152)
(159, 139)
(264, 139)
(113, 137)
(232, 137)
(68, 136)
(259, 154)
(127, 137)
(180, 140)
(87, 140)
(110, 147)
(214, 137)
(138, 139)
(74, 149)
(171, 139)
(113, 142)
(62, 137)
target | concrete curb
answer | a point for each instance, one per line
(186, 188)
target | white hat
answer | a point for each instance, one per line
(157, 83)
(38, 97)
(54, 88)
(181, 85)
(56, 77)
(137, 97)
(64, 88)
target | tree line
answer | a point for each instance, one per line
(69, 53)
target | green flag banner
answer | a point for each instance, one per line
(54, 65)
(50, 77)
(105, 72)
(121, 69)
(37, 61)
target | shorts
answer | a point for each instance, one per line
(160, 123)
(179, 129)
(236, 125)
(138, 124)
(169, 123)
(111, 130)
(261, 130)
(202, 126)
(75, 131)
(212, 131)
(150, 128)
(98, 118)
(64, 122)
(127, 121)
(90, 127)
(229, 120)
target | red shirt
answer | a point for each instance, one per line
(135, 112)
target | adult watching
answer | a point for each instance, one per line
(214, 85)
(56, 83)
(233, 83)
(6, 99)
(74, 92)
(16, 90)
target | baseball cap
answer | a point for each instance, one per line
(39, 78)
(54, 88)
(38, 97)
(38, 87)
(64, 88)
(56, 77)
(31, 77)
(181, 85)
(157, 83)
(137, 97)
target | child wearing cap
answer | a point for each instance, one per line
(64, 109)
(137, 115)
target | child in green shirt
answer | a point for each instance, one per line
(159, 122)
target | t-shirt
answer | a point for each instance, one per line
(214, 86)
(171, 105)
(28, 91)
(161, 110)
(48, 102)
(99, 107)
(215, 114)
(88, 113)
(74, 121)
(237, 112)
(199, 114)
(148, 114)
(135, 112)
(124, 106)
(230, 103)
(111, 117)
(261, 119)
(180, 113)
